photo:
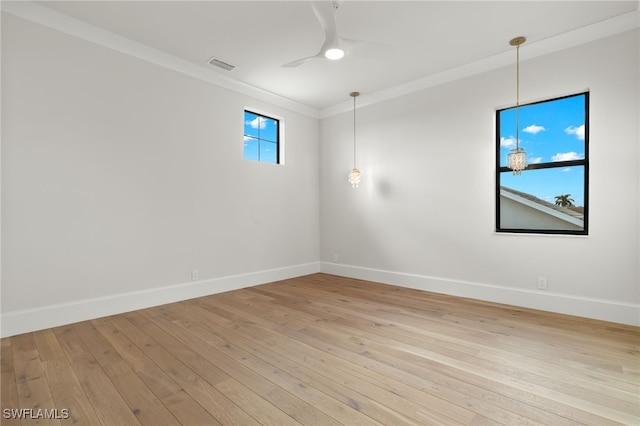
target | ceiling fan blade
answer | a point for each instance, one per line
(301, 61)
(324, 11)
(367, 49)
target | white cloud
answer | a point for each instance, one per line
(578, 131)
(257, 122)
(566, 156)
(533, 129)
(535, 160)
(566, 169)
(508, 142)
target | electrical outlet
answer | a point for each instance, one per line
(335, 257)
(543, 284)
(195, 275)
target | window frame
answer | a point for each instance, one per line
(541, 166)
(279, 135)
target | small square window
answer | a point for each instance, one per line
(261, 138)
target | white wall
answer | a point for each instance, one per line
(119, 177)
(424, 213)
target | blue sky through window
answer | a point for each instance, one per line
(549, 131)
(260, 138)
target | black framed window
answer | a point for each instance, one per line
(261, 138)
(551, 196)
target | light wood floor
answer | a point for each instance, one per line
(325, 350)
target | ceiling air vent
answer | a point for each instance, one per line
(221, 64)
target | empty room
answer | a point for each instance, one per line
(336, 212)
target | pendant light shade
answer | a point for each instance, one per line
(517, 158)
(354, 177)
(354, 174)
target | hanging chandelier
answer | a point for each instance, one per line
(354, 174)
(517, 159)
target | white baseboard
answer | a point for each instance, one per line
(600, 309)
(24, 321)
(28, 320)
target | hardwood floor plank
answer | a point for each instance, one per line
(288, 382)
(317, 381)
(33, 389)
(426, 395)
(48, 346)
(68, 394)
(200, 365)
(153, 376)
(203, 392)
(342, 314)
(400, 388)
(8, 385)
(106, 400)
(199, 337)
(65, 388)
(554, 338)
(489, 402)
(502, 368)
(277, 350)
(239, 394)
(147, 408)
(542, 323)
(254, 405)
(327, 350)
(187, 410)
(184, 408)
(100, 349)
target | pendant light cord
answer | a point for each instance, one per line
(354, 131)
(517, 95)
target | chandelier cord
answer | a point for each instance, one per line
(517, 95)
(354, 132)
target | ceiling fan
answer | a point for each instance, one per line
(334, 46)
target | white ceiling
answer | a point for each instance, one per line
(426, 37)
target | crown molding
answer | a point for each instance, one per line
(599, 30)
(58, 21)
(64, 23)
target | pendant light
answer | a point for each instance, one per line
(354, 174)
(517, 159)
